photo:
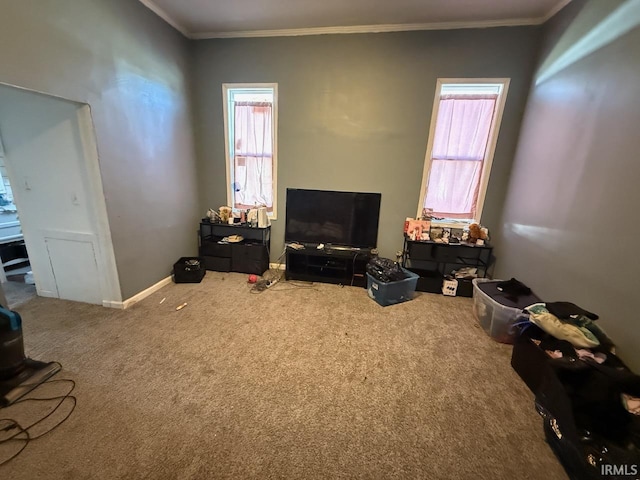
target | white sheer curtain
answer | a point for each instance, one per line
(459, 147)
(253, 158)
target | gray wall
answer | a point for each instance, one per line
(133, 70)
(570, 223)
(354, 111)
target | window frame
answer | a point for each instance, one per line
(491, 147)
(227, 88)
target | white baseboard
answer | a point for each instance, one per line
(139, 296)
(47, 294)
(50, 294)
(112, 304)
(275, 266)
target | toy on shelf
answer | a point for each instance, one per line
(478, 234)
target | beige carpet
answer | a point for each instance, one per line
(291, 383)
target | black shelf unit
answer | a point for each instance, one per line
(433, 260)
(249, 256)
(342, 267)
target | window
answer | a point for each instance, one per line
(464, 130)
(250, 125)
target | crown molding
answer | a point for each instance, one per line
(559, 6)
(166, 17)
(400, 27)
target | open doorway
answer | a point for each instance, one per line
(15, 269)
(60, 239)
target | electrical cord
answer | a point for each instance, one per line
(277, 275)
(13, 424)
(261, 285)
(9, 424)
(279, 264)
(290, 285)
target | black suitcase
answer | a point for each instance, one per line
(584, 421)
(586, 456)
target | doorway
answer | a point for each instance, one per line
(51, 163)
(15, 270)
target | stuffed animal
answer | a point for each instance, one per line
(476, 232)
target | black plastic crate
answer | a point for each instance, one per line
(189, 270)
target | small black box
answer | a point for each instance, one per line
(189, 270)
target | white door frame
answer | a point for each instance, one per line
(109, 281)
(105, 255)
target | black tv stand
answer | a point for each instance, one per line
(345, 248)
(328, 265)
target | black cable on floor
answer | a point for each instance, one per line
(13, 424)
(292, 285)
(9, 424)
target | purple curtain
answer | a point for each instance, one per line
(459, 147)
(253, 159)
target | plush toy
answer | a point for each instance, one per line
(476, 232)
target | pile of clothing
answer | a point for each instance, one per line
(588, 398)
(513, 289)
(567, 321)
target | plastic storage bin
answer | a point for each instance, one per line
(496, 319)
(390, 293)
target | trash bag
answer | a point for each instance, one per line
(385, 270)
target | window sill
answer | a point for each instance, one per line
(452, 223)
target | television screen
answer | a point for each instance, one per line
(336, 218)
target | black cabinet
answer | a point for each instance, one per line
(251, 255)
(343, 267)
(432, 261)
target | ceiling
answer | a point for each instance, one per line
(252, 18)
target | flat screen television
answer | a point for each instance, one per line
(334, 218)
